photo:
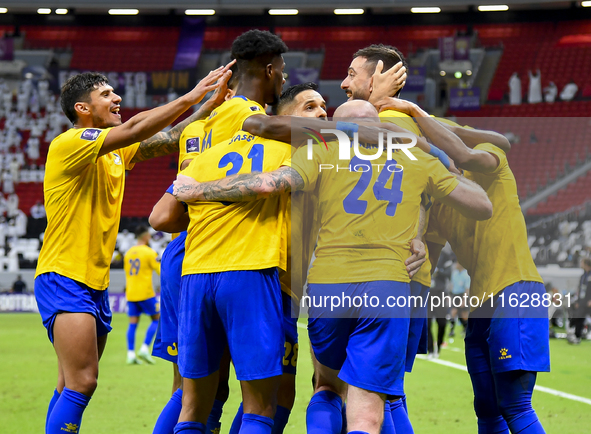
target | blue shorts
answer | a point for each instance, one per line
(149, 307)
(417, 333)
(501, 338)
(171, 268)
(290, 327)
(240, 309)
(58, 294)
(164, 350)
(369, 352)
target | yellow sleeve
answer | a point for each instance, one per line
(127, 155)
(81, 150)
(441, 181)
(497, 152)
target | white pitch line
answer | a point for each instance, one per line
(538, 388)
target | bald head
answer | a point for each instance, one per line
(356, 108)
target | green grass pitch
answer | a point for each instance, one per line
(129, 398)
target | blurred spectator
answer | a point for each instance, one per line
(14, 167)
(12, 204)
(43, 88)
(172, 95)
(534, 94)
(7, 183)
(33, 149)
(460, 285)
(550, 92)
(7, 102)
(22, 103)
(582, 305)
(438, 309)
(19, 286)
(38, 210)
(140, 89)
(569, 91)
(533, 139)
(38, 221)
(515, 89)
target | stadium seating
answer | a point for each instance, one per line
(113, 48)
(547, 148)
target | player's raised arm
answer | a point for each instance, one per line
(469, 199)
(239, 188)
(445, 137)
(146, 124)
(473, 137)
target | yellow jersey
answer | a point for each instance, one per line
(243, 235)
(83, 195)
(402, 120)
(227, 120)
(423, 276)
(139, 262)
(368, 211)
(495, 251)
(191, 141)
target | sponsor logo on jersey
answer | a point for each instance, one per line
(117, 159)
(192, 145)
(504, 354)
(255, 109)
(90, 134)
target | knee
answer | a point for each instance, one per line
(86, 383)
(485, 407)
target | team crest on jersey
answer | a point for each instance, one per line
(117, 159)
(254, 108)
(193, 145)
(90, 134)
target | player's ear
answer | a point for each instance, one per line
(82, 108)
(371, 84)
(269, 71)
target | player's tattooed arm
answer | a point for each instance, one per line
(165, 143)
(239, 188)
(472, 137)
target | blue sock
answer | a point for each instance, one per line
(189, 428)
(151, 332)
(54, 399)
(324, 413)
(131, 336)
(170, 414)
(344, 414)
(400, 418)
(67, 412)
(514, 391)
(237, 423)
(213, 421)
(388, 425)
(280, 419)
(255, 424)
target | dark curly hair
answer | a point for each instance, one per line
(256, 47)
(290, 93)
(78, 88)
